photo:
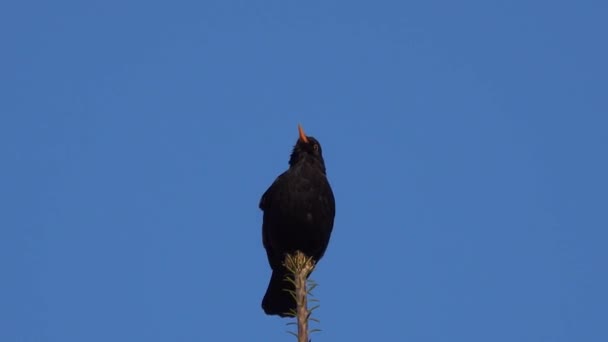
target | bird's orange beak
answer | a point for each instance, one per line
(302, 135)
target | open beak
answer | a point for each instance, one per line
(302, 135)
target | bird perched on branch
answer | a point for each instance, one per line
(298, 214)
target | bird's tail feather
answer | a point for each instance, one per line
(277, 300)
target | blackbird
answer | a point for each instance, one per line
(298, 214)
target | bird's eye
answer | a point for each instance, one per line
(316, 147)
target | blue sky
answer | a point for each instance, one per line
(465, 142)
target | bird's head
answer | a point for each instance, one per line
(307, 149)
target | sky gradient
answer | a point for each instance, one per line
(465, 142)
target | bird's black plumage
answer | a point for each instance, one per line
(299, 210)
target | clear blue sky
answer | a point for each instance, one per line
(466, 143)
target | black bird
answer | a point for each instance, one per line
(299, 210)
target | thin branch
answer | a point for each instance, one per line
(301, 267)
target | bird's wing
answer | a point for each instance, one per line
(332, 200)
(265, 203)
(264, 200)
